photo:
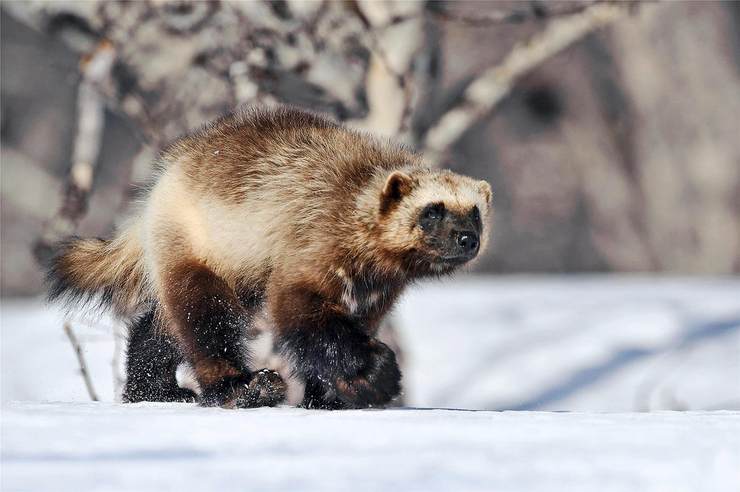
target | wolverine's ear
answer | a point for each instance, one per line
(397, 185)
(485, 189)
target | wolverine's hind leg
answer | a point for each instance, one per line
(212, 329)
(151, 364)
(156, 370)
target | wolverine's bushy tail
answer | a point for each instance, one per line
(111, 272)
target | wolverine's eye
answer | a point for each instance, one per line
(475, 216)
(434, 212)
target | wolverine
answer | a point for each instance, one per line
(278, 218)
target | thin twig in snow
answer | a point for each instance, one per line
(81, 361)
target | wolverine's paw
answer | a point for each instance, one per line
(376, 384)
(316, 396)
(262, 388)
(225, 392)
(266, 389)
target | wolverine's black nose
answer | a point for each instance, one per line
(468, 242)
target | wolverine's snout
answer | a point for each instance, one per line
(461, 247)
(468, 243)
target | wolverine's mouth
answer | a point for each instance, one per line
(453, 260)
(446, 261)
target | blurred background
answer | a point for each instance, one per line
(608, 131)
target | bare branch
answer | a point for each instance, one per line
(389, 82)
(96, 70)
(485, 92)
(538, 10)
(381, 66)
(81, 361)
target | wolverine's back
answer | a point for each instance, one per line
(283, 146)
(261, 186)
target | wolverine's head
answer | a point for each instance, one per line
(435, 220)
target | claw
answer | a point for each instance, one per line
(266, 389)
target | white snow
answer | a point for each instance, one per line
(582, 344)
(86, 446)
(588, 343)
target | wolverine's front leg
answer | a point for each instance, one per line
(211, 328)
(342, 366)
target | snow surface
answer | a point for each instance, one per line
(591, 343)
(104, 446)
(585, 344)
